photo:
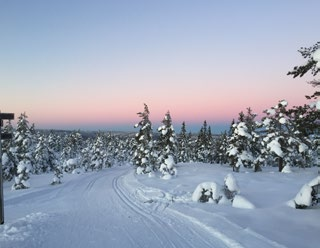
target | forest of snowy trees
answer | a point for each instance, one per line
(284, 137)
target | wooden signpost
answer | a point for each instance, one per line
(3, 116)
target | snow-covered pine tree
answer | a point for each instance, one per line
(203, 144)
(143, 145)
(282, 141)
(121, 149)
(220, 148)
(184, 150)
(55, 143)
(42, 156)
(111, 150)
(86, 154)
(243, 142)
(167, 145)
(72, 146)
(238, 149)
(98, 153)
(22, 151)
(310, 120)
(210, 144)
(58, 173)
(312, 54)
(255, 143)
(9, 162)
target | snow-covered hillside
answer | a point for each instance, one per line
(117, 208)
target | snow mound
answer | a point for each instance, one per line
(139, 170)
(303, 198)
(231, 183)
(21, 228)
(286, 169)
(77, 171)
(241, 202)
(166, 176)
(314, 181)
(306, 197)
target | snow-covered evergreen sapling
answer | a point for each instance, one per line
(308, 194)
(231, 187)
(283, 141)
(58, 174)
(143, 145)
(207, 192)
(167, 146)
(22, 146)
(239, 146)
(203, 144)
(183, 143)
(22, 178)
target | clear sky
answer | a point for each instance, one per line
(92, 64)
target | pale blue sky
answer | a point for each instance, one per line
(61, 60)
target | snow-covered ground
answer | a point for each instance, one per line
(117, 208)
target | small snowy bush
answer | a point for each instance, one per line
(231, 187)
(207, 192)
(286, 169)
(307, 196)
(22, 179)
(167, 168)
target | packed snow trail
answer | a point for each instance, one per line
(111, 208)
(206, 225)
(93, 210)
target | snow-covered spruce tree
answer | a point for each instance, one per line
(121, 149)
(203, 144)
(72, 146)
(22, 143)
(42, 156)
(55, 143)
(220, 148)
(86, 154)
(306, 119)
(143, 145)
(312, 54)
(111, 150)
(243, 142)
(98, 153)
(9, 163)
(238, 146)
(283, 141)
(184, 149)
(255, 144)
(310, 119)
(58, 173)
(167, 145)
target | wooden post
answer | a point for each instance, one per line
(3, 116)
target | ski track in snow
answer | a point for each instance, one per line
(162, 209)
(172, 237)
(112, 209)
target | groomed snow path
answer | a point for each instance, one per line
(105, 209)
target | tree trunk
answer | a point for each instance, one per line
(257, 167)
(280, 164)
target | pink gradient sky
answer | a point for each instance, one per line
(92, 64)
